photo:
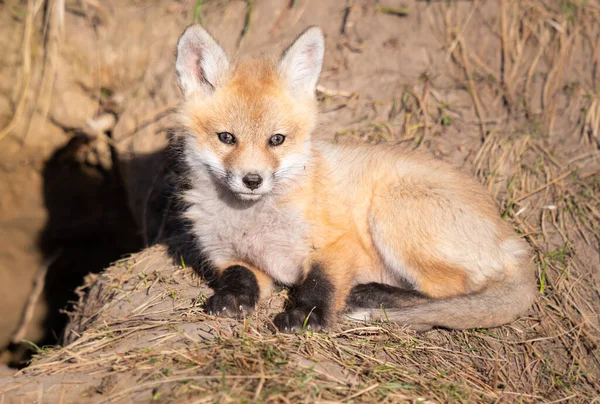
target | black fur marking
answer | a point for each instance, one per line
(183, 245)
(310, 304)
(374, 295)
(236, 293)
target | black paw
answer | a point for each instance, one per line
(296, 320)
(227, 304)
(235, 295)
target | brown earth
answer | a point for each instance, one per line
(506, 89)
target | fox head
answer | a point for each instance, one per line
(249, 123)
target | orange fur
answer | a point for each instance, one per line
(372, 213)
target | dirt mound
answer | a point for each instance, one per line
(140, 334)
(506, 89)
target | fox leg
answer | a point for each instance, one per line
(310, 303)
(237, 290)
(458, 256)
(378, 295)
(322, 294)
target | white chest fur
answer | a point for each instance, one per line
(261, 234)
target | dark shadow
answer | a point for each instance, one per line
(89, 226)
(97, 213)
(153, 182)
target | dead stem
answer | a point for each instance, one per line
(26, 71)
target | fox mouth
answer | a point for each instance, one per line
(248, 196)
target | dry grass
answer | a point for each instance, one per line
(141, 331)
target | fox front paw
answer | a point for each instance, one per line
(296, 320)
(227, 304)
(236, 293)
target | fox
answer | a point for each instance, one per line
(351, 229)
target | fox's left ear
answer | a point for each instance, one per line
(301, 63)
(201, 63)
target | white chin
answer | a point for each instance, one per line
(249, 197)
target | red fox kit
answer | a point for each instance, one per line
(345, 226)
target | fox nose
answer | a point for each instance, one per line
(252, 181)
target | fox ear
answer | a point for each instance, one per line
(201, 63)
(301, 63)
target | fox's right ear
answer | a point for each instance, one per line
(201, 63)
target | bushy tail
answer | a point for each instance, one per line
(498, 304)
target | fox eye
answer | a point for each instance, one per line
(226, 137)
(276, 140)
